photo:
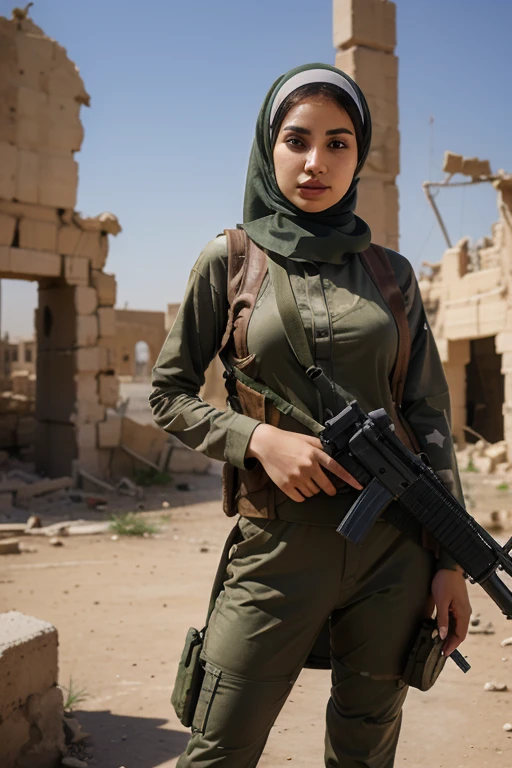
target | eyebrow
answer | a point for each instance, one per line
(306, 132)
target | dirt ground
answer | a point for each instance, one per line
(122, 608)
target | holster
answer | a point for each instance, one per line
(425, 662)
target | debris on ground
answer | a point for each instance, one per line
(507, 641)
(9, 547)
(488, 629)
(492, 686)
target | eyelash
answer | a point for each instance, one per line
(301, 143)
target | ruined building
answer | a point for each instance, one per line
(468, 298)
(364, 33)
(43, 239)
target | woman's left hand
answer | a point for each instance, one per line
(450, 594)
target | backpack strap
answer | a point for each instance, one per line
(377, 264)
(247, 267)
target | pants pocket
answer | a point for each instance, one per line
(206, 696)
(254, 533)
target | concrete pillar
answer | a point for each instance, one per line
(455, 370)
(365, 39)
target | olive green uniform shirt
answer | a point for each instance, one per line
(354, 339)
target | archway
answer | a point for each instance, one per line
(142, 361)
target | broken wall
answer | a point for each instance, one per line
(43, 239)
(365, 38)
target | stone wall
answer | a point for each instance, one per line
(31, 705)
(43, 239)
(365, 38)
(133, 326)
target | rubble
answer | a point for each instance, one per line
(9, 546)
(492, 686)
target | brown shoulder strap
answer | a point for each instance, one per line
(377, 264)
(247, 266)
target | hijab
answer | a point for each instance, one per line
(270, 219)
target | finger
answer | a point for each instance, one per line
(291, 492)
(459, 623)
(329, 463)
(442, 620)
(309, 488)
(323, 481)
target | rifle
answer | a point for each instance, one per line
(366, 446)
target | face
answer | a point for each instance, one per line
(315, 154)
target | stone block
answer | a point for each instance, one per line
(27, 176)
(66, 82)
(34, 264)
(371, 23)
(99, 260)
(35, 60)
(89, 245)
(375, 72)
(452, 163)
(68, 238)
(5, 259)
(31, 103)
(28, 660)
(107, 321)
(44, 713)
(474, 167)
(7, 228)
(38, 235)
(504, 342)
(8, 100)
(88, 359)
(108, 389)
(86, 386)
(55, 385)
(55, 325)
(57, 180)
(109, 432)
(86, 330)
(8, 170)
(88, 411)
(108, 353)
(55, 448)
(86, 300)
(26, 210)
(106, 287)
(86, 437)
(76, 270)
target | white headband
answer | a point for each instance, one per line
(314, 76)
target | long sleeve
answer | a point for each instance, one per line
(178, 375)
(426, 400)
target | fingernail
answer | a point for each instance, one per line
(443, 631)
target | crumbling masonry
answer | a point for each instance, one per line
(43, 239)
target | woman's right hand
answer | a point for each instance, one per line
(295, 462)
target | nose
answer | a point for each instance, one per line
(315, 162)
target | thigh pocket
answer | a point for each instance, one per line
(206, 697)
(254, 532)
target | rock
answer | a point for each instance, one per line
(474, 619)
(488, 629)
(182, 487)
(507, 727)
(33, 522)
(73, 730)
(55, 542)
(73, 762)
(115, 537)
(495, 687)
(507, 641)
(165, 505)
(204, 549)
(9, 547)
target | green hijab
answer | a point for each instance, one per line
(270, 219)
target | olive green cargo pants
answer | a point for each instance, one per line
(283, 580)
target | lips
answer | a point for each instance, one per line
(312, 184)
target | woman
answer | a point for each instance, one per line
(287, 575)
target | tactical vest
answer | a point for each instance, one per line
(250, 492)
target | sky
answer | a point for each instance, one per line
(175, 91)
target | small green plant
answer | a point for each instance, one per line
(130, 524)
(150, 476)
(470, 467)
(73, 695)
(502, 487)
